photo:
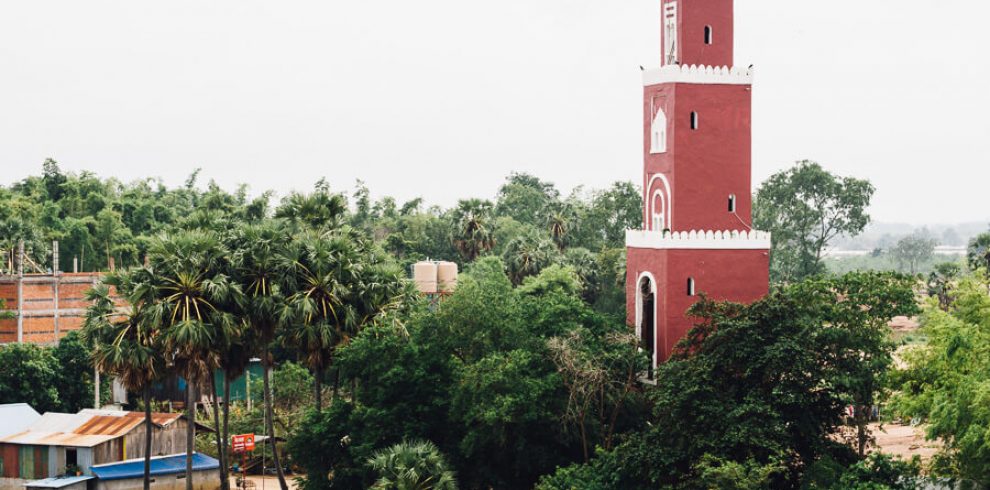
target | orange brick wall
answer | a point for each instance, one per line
(39, 306)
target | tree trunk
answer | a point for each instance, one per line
(270, 424)
(224, 480)
(861, 423)
(148, 434)
(190, 431)
(318, 390)
(584, 435)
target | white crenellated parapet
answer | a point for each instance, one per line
(703, 74)
(699, 240)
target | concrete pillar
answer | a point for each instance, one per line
(56, 276)
(20, 292)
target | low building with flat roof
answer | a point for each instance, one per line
(167, 473)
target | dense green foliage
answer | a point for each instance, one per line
(805, 208)
(525, 376)
(946, 381)
(99, 222)
(912, 251)
(412, 466)
(56, 378)
(758, 390)
(481, 376)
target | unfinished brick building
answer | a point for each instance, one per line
(45, 306)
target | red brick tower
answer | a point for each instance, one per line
(698, 235)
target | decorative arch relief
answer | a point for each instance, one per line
(658, 132)
(658, 190)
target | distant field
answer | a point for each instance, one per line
(842, 261)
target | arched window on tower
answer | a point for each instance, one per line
(732, 203)
(690, 287)
(659, 212)
(694, 120)
(658, 133)
(709, 35)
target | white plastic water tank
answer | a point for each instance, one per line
(446, 277)
(425, 277)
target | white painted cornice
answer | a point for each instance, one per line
(699, 240)
(712, 75)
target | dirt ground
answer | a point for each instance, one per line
(904, 441)
(265, 483)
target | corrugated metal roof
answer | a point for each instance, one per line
(57, 482)
(87, 428)
(162, 465)
(16, 417)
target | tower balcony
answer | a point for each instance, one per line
(699, 240)
(698, 74)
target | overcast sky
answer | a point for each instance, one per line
(444, 98)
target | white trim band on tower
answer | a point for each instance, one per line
(699, 240)
(712, 75)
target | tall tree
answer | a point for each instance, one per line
(473, 228)
(192, 288)
(524, 198)
(261, 269)
(561, 222)
(527, 255)
(978, 252)
(127, 342)
(318, 210)
(805, 208)
(913, 250)
(323, 270)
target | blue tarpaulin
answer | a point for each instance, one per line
(162, 465)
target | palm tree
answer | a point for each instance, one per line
(473, 228)
(126, 342)
(191, 291)
(527, 255)
(324, 268)
(560, 223)
(412, 466)
(260, 269)
(319, 210)
(978, 252)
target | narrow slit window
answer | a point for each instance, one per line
(732, 203)
(709, 35)
(694, 120)
(690, 286)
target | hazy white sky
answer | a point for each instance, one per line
(443, 98)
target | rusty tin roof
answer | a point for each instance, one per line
(88, 428)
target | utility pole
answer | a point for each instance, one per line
(247, 384)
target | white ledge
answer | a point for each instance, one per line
(713, 75)
(699, 240)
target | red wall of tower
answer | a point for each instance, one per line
(693, 16)
(742, 276)
(706, 165)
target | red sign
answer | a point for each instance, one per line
(241, 443)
